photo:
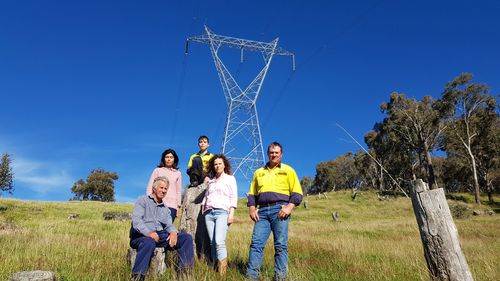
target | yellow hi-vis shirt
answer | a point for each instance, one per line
(204, 159)
(272, 185)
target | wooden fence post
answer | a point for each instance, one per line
(445, 259)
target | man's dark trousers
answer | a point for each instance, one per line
(146, 246)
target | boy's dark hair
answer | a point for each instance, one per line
(203, 137)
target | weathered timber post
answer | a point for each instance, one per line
(193, 222)
(439, 234)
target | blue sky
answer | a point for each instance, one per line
(87, 84)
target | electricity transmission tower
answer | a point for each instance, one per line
(242, 142)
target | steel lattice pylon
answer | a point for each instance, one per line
(242, 142)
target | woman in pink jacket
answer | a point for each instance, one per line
(168, 168)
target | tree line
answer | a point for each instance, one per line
(463, 125)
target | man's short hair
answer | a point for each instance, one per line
(203, 137)
(158, 179)
(273, 144)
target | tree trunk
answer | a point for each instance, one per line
(477, 192)
(430, 167)
(445, 260)
(193, 221)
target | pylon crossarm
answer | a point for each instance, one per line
(244, 44)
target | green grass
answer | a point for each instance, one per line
(374, 240)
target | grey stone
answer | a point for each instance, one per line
(477, 213)
(157, 266)
(36, 275)
(73, 216)
(119, 216)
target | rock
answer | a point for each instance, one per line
(157, 266)
(73, 216)
(335, 216)
(490, 212)
(477, 212)
(8, 227)
(119, 216)
(193, 222)
(37, 275)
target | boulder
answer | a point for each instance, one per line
(477, 213)
(37, 275)
(119, 216)
(157, 266)
(73, 216)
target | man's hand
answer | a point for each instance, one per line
(154, 236)
(285, 211)
(172, 239)
(253, 213)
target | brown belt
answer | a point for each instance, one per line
(272, 204)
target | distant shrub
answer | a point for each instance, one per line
(467, 198)
(459, 210)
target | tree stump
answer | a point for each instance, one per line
(157, 266)
(193, 221)
(36, 275)
(439, 234)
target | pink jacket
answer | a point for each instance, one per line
(174, 176)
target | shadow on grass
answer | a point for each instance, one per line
(239, 265)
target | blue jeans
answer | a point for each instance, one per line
(216, 221)
(146, 246)
(268, 222)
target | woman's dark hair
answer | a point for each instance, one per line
(211, 167)
(162, 159)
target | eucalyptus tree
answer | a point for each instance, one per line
(416, 126)
(339, 173)
(473, 125)
(394, 161)
(306, 183)
(99, 186)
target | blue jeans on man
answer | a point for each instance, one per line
(268, 222)
(216, 221)
(146, 246)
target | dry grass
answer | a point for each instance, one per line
(374, 240)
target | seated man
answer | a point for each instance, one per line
(152, 227)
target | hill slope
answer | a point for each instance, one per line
(374, 240)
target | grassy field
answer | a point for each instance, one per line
(374, 240)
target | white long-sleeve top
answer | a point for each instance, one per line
(222, 193)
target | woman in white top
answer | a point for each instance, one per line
(219, 203)
(168, 168)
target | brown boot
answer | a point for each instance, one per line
(222, 267)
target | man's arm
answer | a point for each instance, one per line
(252, 209)
(138, 217)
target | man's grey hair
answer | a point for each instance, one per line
(158, 179)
